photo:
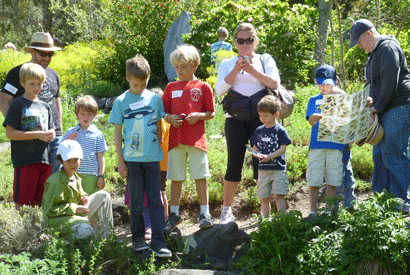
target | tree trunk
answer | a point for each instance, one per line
(325, 15)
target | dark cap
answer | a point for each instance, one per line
(359, 27)
(326, 74)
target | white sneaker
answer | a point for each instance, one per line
(226, 216)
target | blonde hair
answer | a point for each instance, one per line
(31, 70)
(247, 27)
(86, 103)
(269, 104)
(138, 67)
(222, 32)
(184, 55)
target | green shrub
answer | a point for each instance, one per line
(19, 229)
(287, 33)
(9, 60)
(24, 264)
(375, 235)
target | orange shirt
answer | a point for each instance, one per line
(164, 144)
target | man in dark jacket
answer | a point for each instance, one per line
(387, 74)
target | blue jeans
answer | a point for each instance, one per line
(145, 176)
(348, 184)
(52, 154)
(391, 156)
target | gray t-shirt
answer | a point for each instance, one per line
(26, 115)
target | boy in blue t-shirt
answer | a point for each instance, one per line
(325, 158)
(141, 111)
(270, 141)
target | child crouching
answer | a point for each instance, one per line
(67, 208)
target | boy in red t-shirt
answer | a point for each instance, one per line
(188, 103)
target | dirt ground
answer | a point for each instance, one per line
(247, 221)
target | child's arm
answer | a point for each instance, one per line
(276, 154)
(159, 131)
(122, 167)
(101, 170)
(14, 134)
(193, 118)
(314, 118)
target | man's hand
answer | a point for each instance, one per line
(100, 183)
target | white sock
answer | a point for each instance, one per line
(175, 209)
(312, 213)
(228, 208)
(204, 209)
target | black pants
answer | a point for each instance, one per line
(237, 135)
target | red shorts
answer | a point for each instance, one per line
(29, 180)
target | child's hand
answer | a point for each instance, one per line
(100, 183)
(84, 200)
(193, 118)
(81, 209)
(175, 120)
(72, 136)
(263, 158)
(369, 101)
(122, 169)
(314, 118)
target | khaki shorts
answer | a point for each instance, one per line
(272, 182)
(177, 163)
(325, 162)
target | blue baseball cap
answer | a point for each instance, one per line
(326, 74)
(358, 28)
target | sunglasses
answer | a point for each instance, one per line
(242, 41)
(44, 54)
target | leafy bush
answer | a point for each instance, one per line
(375, 235)
(19, 229)
(9, 60)
(288, 34)
(23, 264)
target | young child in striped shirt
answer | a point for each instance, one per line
(92, 142)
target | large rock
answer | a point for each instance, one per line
(173, 40)
(119, 212)
(216, 246)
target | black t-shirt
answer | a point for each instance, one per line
(26, 115)
(49, 93)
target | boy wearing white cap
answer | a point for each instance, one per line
(67, 208)
(41, 49)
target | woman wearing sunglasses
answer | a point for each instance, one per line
(246, 75)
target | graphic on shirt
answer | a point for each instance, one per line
(33, 120)
(267, 142)
(135, 146)
(46, 92)
(345, 117)
(196, 94)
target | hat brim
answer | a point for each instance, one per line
(45, 49)
(322, 81)
(353, 42)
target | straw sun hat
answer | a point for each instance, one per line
(42, 41)
(374, 135)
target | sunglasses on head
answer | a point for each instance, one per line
(44, 54)
(242, 41)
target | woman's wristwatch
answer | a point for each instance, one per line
(101, 176)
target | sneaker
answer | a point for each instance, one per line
(140, 245)
(206, 221)
(160, 250)
(148, 233)
(226, 216)
(172, 222)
